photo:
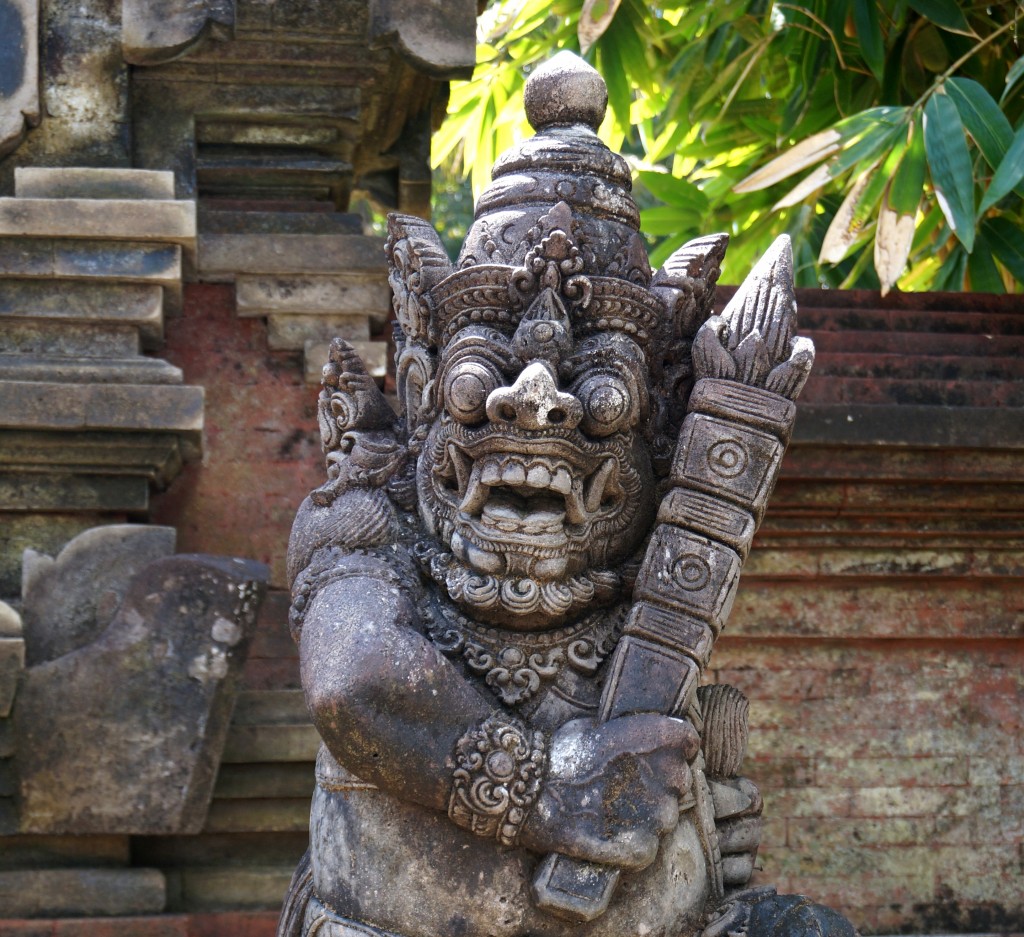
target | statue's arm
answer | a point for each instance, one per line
(388, 705)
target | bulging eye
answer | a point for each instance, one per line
(466, 388)
(608, 404)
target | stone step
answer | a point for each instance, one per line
(824, 389)
(920, 367)
(73, 892)
(50, 338)
(65, 406)
(915, 344)
(66, 301)
(91, 183)
(364, 294)
(146, 220)
(270, 708)
(222, 256)
(50, 367)
(220, 221)
(265, 781)
(253, 815)
(247, 744)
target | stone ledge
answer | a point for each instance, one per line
(112, 219)
(223, 256)
(223, 924)
(92, 183)
(37, 405)
(909, 426)
(76, 892)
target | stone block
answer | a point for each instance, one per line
(241, 888)
(219, 221)
(67, 339)
(373, 354)
(12, 662)
(173, 650)
(46, 368)
(291, 332)
(722, 458)
(129, 304)
(19, 72)
(367, 295)
(152, 408)
(222, 256)
(66, 852)
(270, 707)
(86, 892)
(88, 182)
(695, 575)
(101, 219)
(247, 744)
(73, 492)
(709, 516)
(68, 600)
(264, 782)
(273, 815)
(126, 262)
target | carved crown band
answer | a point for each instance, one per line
(484, 295)
(596, 196)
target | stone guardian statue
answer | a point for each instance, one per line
(505, 598)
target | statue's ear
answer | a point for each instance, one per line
(417, 262)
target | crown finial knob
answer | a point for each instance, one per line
(565, 90)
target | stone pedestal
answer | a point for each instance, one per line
(90, 262)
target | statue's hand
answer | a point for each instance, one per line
(612, 789)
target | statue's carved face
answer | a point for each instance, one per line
(536, 473)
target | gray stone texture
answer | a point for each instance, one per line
(82, 892)
(19, 71)
(70, 599)
(153, 692)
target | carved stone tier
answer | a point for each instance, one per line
(313, 275)
(90, 261)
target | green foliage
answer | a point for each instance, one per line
(885, 136)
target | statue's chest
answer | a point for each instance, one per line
(545, 677)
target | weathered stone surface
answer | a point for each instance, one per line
(51, 491)
(222, 256)
(158, 32)
(10, 622)
(138, 305)
(70, 340)
(433, 36)
(12, 662)
(173, 650)
(291, 332)
(19, 71)
(88, 892)
(30, 405)
(76, 182)
(366, 295)
(33, 368)
(68, 600)
(100, 219)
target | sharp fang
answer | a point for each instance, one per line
(574, 511)
(459, 460)
(595, 489)
(476, 493)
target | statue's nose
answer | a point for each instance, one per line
(534, 401)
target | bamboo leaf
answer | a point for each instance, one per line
(1013, 76)
(982, 118)
(673, 191)
(1004, 239)
(1008, 174)
(905, 192)
(943, 13)
(950, 165)
(982, 269)
(595, 17)
(844, 231)
(894, 235)
(869, 35)
(806, 153)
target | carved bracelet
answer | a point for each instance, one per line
(499, 768)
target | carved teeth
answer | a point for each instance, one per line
(476, 492)
(491, 474)
(461, 463)
(538, 477)
(513, 474)
(561, 481)
(574, 509)
(596, 486)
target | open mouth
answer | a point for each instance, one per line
(513, 493)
